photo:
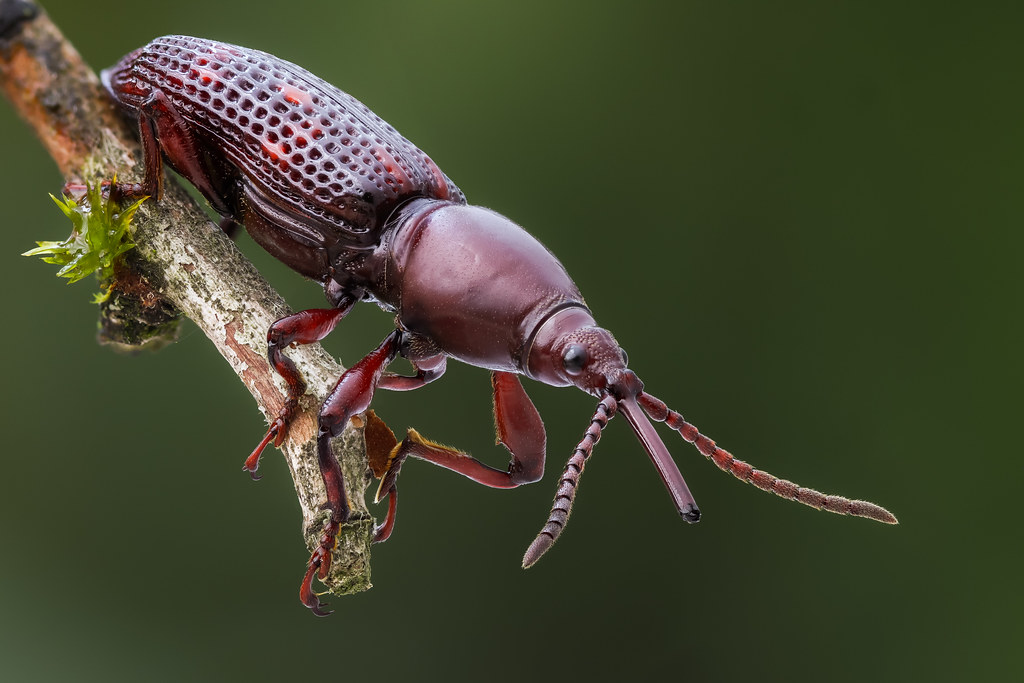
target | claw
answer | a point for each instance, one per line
(252, 463)
(319, 564)
(388, 488)
(383, 532)
(309, 598)
(77, 191)
(395, 460)
(388, 481)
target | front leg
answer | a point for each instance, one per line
(351, 395)
(164, 134)
(304, 327)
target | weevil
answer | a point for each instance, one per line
(337, 194)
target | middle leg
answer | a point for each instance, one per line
(519, 429)
(351, 395)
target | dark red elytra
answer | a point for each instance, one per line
(289, 133)
(333, 191)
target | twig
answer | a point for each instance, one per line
(183, 258)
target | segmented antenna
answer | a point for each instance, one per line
(659, 412)
(570, 480)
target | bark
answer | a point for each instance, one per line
(184, 259)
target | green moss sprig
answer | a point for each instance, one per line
(99, 235)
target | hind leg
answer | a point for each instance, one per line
(519, 429)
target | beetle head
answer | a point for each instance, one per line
(570, 349)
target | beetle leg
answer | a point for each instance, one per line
(304, 327)
(229, 226)
(519, 429)
(152, 183)
(161, 129)
(381, 444)
(423, 376)
(351, 395)
(380, 449)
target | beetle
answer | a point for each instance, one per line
(337, 194)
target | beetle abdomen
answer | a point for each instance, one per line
(300, 139)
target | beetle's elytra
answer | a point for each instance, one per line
(337, 194)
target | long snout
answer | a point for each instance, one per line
(662, 459)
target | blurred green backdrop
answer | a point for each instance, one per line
(802, 219)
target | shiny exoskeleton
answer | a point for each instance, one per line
(337, 194)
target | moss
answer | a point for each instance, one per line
(99, 235)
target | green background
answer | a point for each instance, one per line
(803, 221)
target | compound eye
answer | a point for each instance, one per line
(575, 359)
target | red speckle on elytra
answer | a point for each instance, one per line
(275, 150)
(205, 75)
(294, 95)
(440, 182)
(391, 165)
